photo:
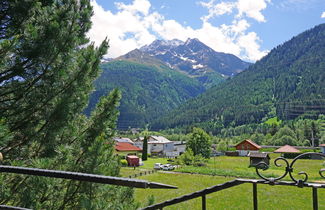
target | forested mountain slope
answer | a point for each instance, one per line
(288, 82)
(148, 91)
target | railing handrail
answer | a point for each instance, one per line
(196, 194)
(137, 183)
(220, 187)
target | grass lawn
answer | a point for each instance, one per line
(238, 167)
(147, 165)
(239, 197)
(235, 167)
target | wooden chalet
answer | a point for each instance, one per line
(247, 146)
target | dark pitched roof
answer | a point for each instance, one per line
(287, 149)
(123, 146)
(258, 154)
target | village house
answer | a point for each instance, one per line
(156, 145)
(124, 149)
(123, 139)
(288, 151)
(246, 146)
(159, 145)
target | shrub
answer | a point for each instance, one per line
(124, 162)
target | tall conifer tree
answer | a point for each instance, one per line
(145, 148)
(47, 69)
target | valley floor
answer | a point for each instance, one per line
(222, 169)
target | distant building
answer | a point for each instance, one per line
(322, 148)
(246, 146)
(288, 151)
(258, 157)
(133, 160)
(135, 131)
(159, 145)
(124, 149)
(180, 147)
(122, 139)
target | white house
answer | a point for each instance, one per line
(159, 144)
(156, 145)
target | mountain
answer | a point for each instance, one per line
(196, 60)
(287, 83)
(148, 90)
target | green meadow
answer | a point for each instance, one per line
(238, 197)
(218, 170)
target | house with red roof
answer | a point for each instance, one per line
(287, 149)
(246, 146)
(125, 149)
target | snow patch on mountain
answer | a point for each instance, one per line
(198, 66)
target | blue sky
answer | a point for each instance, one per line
(248, 29)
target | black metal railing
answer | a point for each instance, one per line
(136, 183)
(265, 180)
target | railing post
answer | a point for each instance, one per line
(315, 199)
(255, 196)
(204, 206)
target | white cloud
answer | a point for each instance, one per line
(252, 9)
(249, 44)
(217, 9)
(323, 15)
(135, 25)
(141, 6)
(126, 30)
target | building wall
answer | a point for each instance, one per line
(246, 146)
(322, 149)
(126, 153)
(139, 144)
(169, 147)
(155, 147)
(243, 152)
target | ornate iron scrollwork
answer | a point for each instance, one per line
(288, 169)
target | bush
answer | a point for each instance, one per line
(188, 158)
(124, 162)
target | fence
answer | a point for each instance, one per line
(270, 181)
(233, 183)
(81, 177)
(142, 173)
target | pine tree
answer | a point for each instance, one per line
(145, 148)
(47, 69)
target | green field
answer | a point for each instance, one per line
(239, 197)
(238, 167)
